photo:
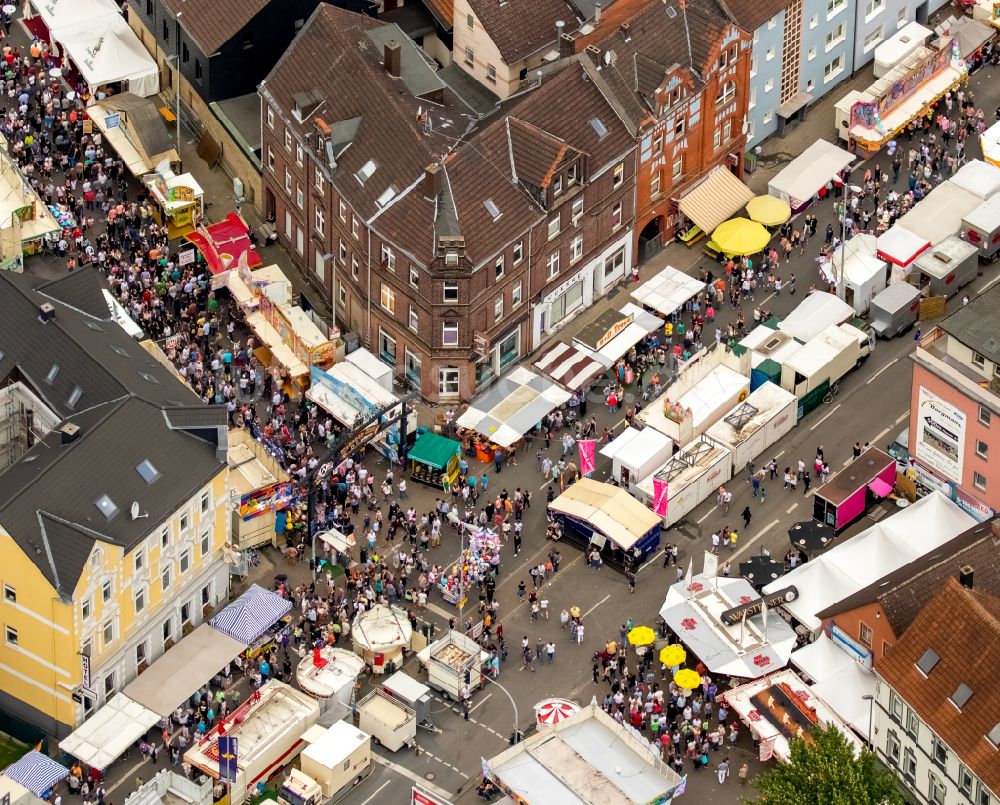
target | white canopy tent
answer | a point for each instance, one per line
(104, 737)
(980, 178)
(940, 214)
(839, 679)
(900, 246)
(814, 314)
(107, 51)
(864, 559)
(803, 177)
(65, 16)
(668, 290)
(610, 510)
(990, 142)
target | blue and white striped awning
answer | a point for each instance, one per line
(252, 614)
(36, 772)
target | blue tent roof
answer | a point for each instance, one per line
(252, 614)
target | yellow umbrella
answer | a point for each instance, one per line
(641, 636)
(687, 678)
(672, 655)
(740, 236)
(769, 211)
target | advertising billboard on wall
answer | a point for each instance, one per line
(940, 441)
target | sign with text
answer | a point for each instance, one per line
(614, 330)
(421, 796)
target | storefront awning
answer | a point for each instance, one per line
(512, 406)
(188, 665)
(252, 614)
(570, 365)
(36, 772)
(714, 200)
(667, 292)
(106, 735)
(338, 540)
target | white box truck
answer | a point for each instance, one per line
(827, 357)
(339, 759)
(981, 228)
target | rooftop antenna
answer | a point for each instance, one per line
(687, 33)
(135, 511)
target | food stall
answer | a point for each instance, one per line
(668, 291)
(755, 424)
(136, 130)
(572, 366)
(847, 495)
(381, 635)
(434, 460)
(807, 176)
(24, 219)
(613, 333)
(635, 454)
(269, 281)
(180, 201)
(262, 488)
(899, 247)
(329, 675)
(938, 215)
(989, 140)
(477, 562)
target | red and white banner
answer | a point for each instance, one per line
(767, 749)
(659, 497)
(586, 448)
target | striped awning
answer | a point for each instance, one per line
(252, 614)
(36, 772)
(571, 366)
(717, 198)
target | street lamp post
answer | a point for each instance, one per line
(177, 83)
(871, 706)
(517, 731)
(849, 192)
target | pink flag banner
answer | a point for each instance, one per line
(659, 497)
(586, 448)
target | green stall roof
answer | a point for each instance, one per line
(433, 450)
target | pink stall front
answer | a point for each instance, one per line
(847, 496)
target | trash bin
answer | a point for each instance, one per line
(749, 162)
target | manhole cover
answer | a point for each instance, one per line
(429, 775)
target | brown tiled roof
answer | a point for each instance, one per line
(521, 27)
(335, 58)
(444, 10)
(751, 14)
(212, 23)
(903, 593)
(962, 627)
(536, 154)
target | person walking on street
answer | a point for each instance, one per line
(723, 770)
(746, 515)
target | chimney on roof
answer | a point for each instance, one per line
(560, 27)
(966, 575)
(623, 29)
(391, 57)
(69, 433)
(46, 312)
(432, 180)
(597, 14)
(594, 52)
(567, 45)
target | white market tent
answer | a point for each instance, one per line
(980, 178)
(803, 177)
(65, 17)
(990, 142)
(608, 509)
(900, 246)
(107, 51)
(667, 292)
(940, 214)
(745, 651)
(766, 724)
(639, 452)
(814, 314)
(874, 553)
(512, 406)
(106, 735)
(838, 678)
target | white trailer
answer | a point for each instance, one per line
(635, 454)
(339, 759)
(755, 424)
(449, 659)
(827, 357)
(269, 727)
(945, 268)
(981, 228)
(692, 475)
(389, 721)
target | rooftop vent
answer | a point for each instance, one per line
(46, 312)
(106, 506)
(623, 29)
(927, 662)
(961, 696)
(69, 432)
(392, 57)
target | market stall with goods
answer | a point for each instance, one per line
(478, 561)
(667, 291)
(434, 460)
(24, 219)
(381, 635)
(180, 204)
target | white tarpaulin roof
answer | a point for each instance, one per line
(104, 737)
(718, 197)
(814, 314)
(852, 565)
(65, 17)
(512, 406)
(900, 246)
(990, 142)
(108, 51)
(803, 177)
(668, 290)
(765, 724)
(643, 324)
(694, 613)
(608, 509)
(979, 178)
(840, 680)
(940, 214)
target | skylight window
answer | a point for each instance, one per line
(927, 662)
(492, 209)
(53, 374)
(366, 171)
(387, 196)
(993, 736)
(148, 472)
(671, 12)
(599, 127)
(119, 351)
(148, 377)
(93, 325)
(74, 396)
(106, 506)
(961, 696)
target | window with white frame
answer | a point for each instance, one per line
(300, 197)
(557, 185)
(909, 766)
(288, 182)
(518, 252)
(491, 73)
(185, 561)
(813, 21)
(270, 118)
(498, 308)
(298, 155)
(10, 635)
(166, 577)
(678, 168)
(679, 128)
(835, 36)
(388, 299)
(414, 277)
(616, 215)
(319, 181)
(140, 600)
(576, 211)
(470, 56)
(515, 294)
(654, 183)
(553, 264)
(896, 707)
(893, 746)
(768, 116)
(812, 53)
(572, 174)
(414, 319)
(498, 267)
(107, 589)
(615, 264)
(450, 292)
(979, 481)
(769, 55)
(554, 227)
(833, 69)
(873, 39)
(657, 145)
(386, 347)
(769, 85)
(982, 448)
(86, 608)
(342, 251)
(448, 381)
(965, 780)
(619, 175)
(354, 266)
(727, 94)
(835, 7)
(288, 141)
(140, 653)
(342, 211)
(355, 227)
(270, 159)
(936, 789)
(727, 131)
(449, 333)
(753, 66)
(412, 366)
(772, 22)
(320, 220)
(753, 97)
(388, 257)
(873, 7)
(575, 248)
